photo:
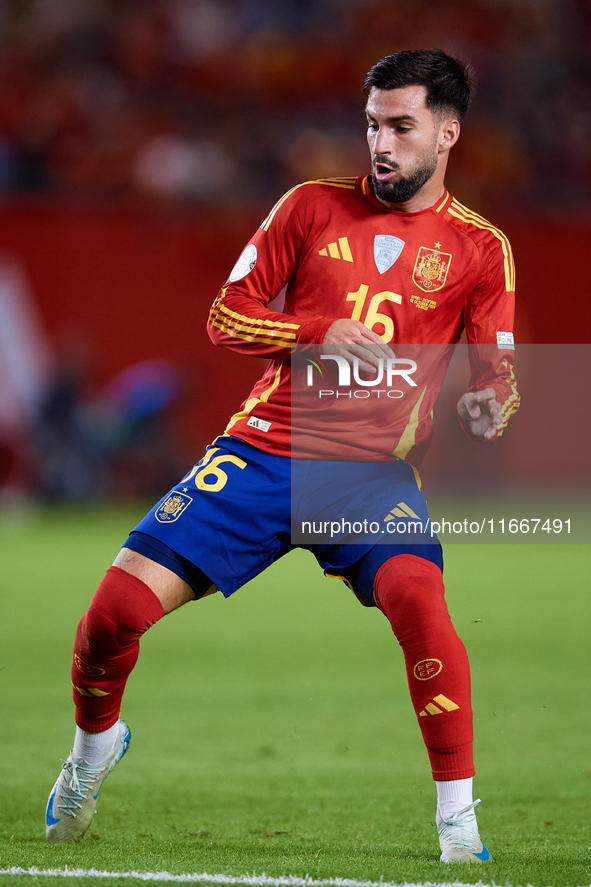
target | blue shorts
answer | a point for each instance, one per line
(241, 509)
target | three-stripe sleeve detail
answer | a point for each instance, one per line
(348, 183)
(471, 218)
(252, 329)
(511, 405)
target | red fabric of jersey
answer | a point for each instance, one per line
(413, 278)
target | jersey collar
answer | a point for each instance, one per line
(365, 183)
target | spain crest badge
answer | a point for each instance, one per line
(172, 508)
(431, 267)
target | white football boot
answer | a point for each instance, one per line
(72, 802)
(459, 839)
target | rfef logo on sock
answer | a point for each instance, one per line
(427, 669)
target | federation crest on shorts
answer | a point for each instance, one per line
(431, 267)
(172, 508)
(386, 250)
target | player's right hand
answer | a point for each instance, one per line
(354, 339)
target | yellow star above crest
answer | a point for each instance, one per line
(437, 245)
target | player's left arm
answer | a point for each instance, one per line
(492, 398)
(480, 413)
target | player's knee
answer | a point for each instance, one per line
(122, 609)
(410, 592)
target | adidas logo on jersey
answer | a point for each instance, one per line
(432, 709)
(340, 250)
(401, 510)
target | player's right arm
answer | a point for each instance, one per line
(240, 318)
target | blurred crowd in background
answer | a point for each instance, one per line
(236, 100)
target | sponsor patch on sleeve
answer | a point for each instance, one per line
(506, 340)
(261, 424)
(245, 263)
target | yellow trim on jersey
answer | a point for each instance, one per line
(253, 401)
(407, 440)
(251, 329)
(347, 182)
(265, 225)
(274, 324)
(246, 338)
(244, 328)
(511, 405)
(442, 204)
(336, 182)
(466, 215)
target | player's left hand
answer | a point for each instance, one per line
(481, 412)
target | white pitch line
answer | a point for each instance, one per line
(254, 880)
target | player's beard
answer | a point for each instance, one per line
(404, 188)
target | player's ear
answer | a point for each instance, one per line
(449, 133)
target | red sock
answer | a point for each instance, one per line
(107, 646)
(410, 592)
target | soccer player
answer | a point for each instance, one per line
(389, 259)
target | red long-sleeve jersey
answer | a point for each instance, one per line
(414, 278)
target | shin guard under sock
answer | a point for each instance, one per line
(106, 647)
(409, 590)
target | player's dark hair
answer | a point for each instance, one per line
(450, 84)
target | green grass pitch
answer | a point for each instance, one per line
(273, 732)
